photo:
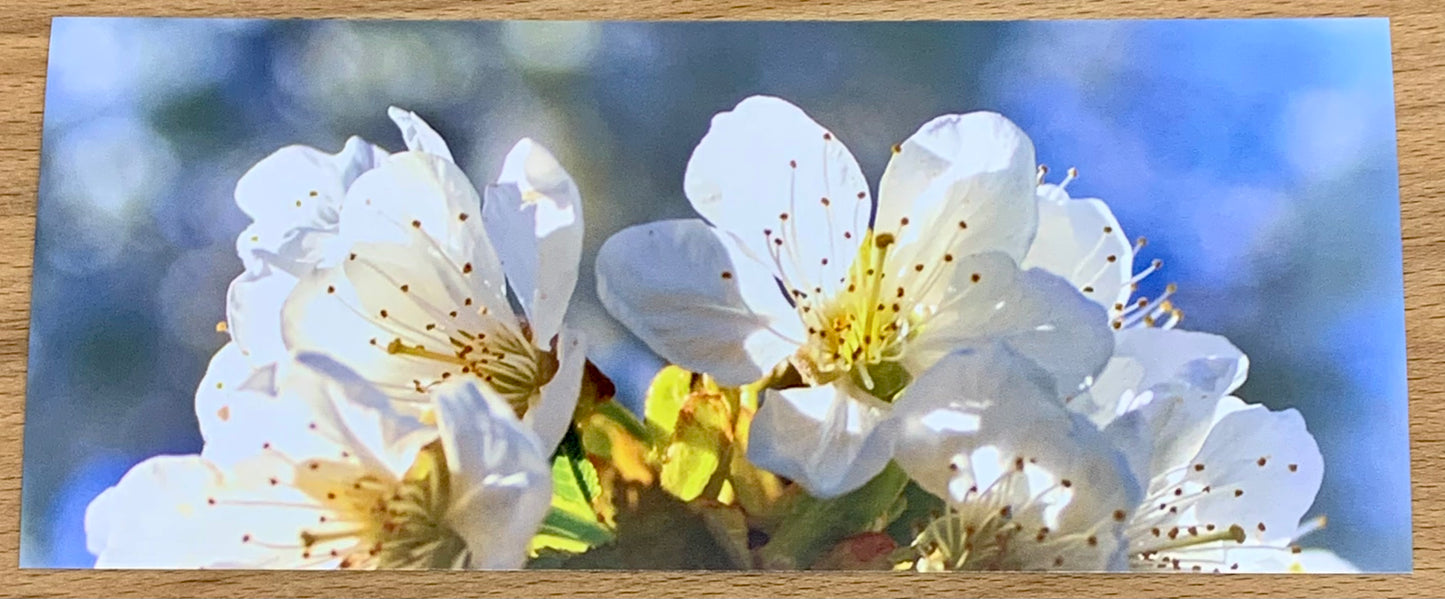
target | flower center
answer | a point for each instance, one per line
(859, 330)
(1012, 524)
(1166, 531)
(372, 522)
(445, 330)
(511, 365)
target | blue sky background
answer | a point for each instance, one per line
(1258, 157)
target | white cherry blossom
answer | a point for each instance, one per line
(1226, 483)
(791, 269)
(1028, 485)
(386, 262)
(322, 473)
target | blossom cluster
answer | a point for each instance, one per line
(952, 372)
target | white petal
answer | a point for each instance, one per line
(534, 214)
(414, 193)
(1035, 314)
(501, 481)
(227, 373)
(419, 136)
(552, 415)
(296, 186)
(392, 294)
(253, 313)
(1171, 357)
(696, 300)
(1081, 241)
(941, 410)
(161, 515)
(821, 438)
(321, 410)
(357, 157)
(974, 169)
(1273, 459)
(766, 172)
(1160, 393)
(1014, 414)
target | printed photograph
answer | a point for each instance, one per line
(917, 297)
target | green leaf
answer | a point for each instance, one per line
(814, 526)
(700, 440)
(572, 525)
(620, 415)
(665, 396)
(920, 507)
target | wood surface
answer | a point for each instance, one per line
(1418, 34)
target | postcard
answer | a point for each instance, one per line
(942, 296)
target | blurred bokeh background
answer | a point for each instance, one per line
(1258, 157)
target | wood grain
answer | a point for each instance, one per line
(1418, 30)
